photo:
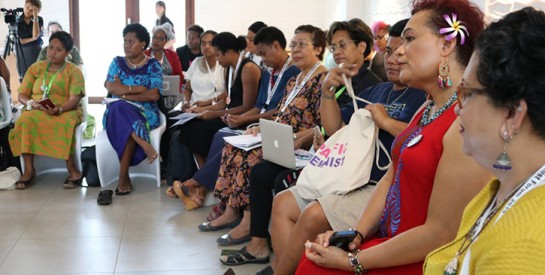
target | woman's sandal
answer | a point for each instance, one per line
(105, 197)
(171, 193)
(191, 201)
(72, 183)
(243, 257)
(24, 184)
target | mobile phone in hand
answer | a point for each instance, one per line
(341, 239)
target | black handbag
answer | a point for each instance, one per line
(90, 170)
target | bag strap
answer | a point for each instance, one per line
(378, 144)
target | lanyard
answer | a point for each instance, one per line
(298, 88)
(233, 75)
(47, 89)
(270, 92)
(213, 78)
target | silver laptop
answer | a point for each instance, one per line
(171, 85)
(278, 146)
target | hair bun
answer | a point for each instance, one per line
(241, 43)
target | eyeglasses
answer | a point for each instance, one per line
(158, 38)
(464, 92)
(301, 44)
(342, 45)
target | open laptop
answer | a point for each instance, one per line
(278, 146)
(171, 85)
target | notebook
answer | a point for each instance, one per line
(278, 145)
(171, 85)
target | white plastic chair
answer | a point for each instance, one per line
(43, 164)
(108, 162)
(6, 104)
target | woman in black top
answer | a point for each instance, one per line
(160, 10)
(30, 31)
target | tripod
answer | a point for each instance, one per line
(13, 44)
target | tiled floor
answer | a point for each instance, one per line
(50, 230)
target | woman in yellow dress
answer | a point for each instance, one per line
(49, 130)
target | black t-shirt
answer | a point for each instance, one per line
(186, 57)
(24, 30)
(163, 20)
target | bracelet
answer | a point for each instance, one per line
(60, 111)
(358, 234)
(328, 96)
(355, 263)
(130, 89)
(294, 136)
(123, 96)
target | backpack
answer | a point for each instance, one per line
(90, 170)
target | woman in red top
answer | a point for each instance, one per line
(417, 206)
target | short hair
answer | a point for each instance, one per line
(226, 41)
(468, 13)
(397, 29)
(511, 57)
(213, 33)
(196, 28)
(318, 37)
(356, 29)
(65, 39)
(268, 35)
(256, 26)
(36, 3)
(380, 25)
(54, 23)
(140, 31)
(162, 4)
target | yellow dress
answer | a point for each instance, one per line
(513, 245)
(35, 131)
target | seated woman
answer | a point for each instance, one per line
(242, 81)
(503, 129)
(205, 78)
(394, 106)
(49, 131)
(298, 108)
(270, 44)
(74, 55)
(170, 64)
(136, 80)
(412, 210)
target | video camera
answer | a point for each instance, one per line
(11, 15)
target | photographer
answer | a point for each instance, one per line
(30, 30)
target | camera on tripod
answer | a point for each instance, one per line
(11, 15)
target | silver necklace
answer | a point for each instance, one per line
(425, 120)
(388, 99)
(134, 66)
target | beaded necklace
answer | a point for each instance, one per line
(134, 66)
(425, 120)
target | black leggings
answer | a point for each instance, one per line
(265, 178)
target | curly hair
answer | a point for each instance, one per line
(65, 39)
(511, 57)
(140, 31)
(467, 12)
(356, 29)
(318, 37)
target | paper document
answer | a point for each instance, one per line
(232, 131)
(109, 100)
(183, 118)
(244, 142)
(302, 157)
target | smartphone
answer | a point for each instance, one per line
(47, 103)
(341, 239)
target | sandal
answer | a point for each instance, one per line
(24, 184)
(72, 183)
(243, 257)
(122, 193)
(191, 201)
(105, 197)
(170, 192)
(216, 211)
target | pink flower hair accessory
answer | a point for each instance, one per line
(456, 27)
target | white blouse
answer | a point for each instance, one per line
(202, 82)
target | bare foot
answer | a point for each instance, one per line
(150, 153)
(124, 185)
(240, 231)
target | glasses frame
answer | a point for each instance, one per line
(301, 44)
(332, 48)
(462, 93)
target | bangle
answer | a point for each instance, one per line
(60, 111)
(355, 263)
(294, 136)
(130, 89)
(29, 104)
(123, 96)
(358, 234)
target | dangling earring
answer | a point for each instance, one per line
(503, 162)
(443, 80)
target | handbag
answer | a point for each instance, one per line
(345, 160)
(9, 177)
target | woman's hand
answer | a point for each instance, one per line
(318, 140)
(253, 131)
(115, 87)
(196, 110)
(331, 257)
(235, 121)
(379, 114)
(52, 111)
(207, 115)
(334, 78)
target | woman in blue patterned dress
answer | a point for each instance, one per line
(136, 81)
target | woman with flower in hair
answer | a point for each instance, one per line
(417, 206)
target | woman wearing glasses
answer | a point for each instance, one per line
(417, 205)
(298, 108)
(503, 128)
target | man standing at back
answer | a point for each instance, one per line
(191, 50)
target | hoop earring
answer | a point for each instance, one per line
(503, 162)
(443, 80)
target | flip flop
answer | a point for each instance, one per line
(120, 193)
(71, 183)
(243, 257)
(227, 240)
(24, 184)
(105, 197)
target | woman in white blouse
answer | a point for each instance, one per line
(205, 78)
